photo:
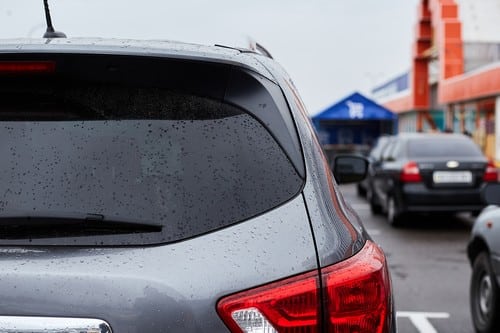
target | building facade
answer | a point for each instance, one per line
(454, 80)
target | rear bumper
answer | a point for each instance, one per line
(419, 198)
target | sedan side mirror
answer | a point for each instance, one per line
(490, 194)
(349, 168)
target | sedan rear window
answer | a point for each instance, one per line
(187, 163)
(443, 146)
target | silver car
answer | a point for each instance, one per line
(484, 255)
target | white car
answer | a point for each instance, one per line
(484, 254)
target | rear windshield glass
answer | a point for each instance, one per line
(443, 146)
(148, 155)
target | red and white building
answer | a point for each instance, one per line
(454, 80)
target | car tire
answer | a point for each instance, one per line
(375, 208)
(394, 216)
(484, 296)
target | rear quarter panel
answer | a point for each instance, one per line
(337, 229)
(487, 228)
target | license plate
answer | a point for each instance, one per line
(452, 177)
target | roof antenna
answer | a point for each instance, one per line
(50, 32)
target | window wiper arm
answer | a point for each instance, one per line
(41, 225)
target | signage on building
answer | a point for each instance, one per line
(356, 110)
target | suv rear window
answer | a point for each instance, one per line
(443, 146)
(146, 155)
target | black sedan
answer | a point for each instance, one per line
(430, 173)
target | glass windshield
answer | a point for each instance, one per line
(443, 146)
(189, 163)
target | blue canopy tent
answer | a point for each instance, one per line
(353, 124)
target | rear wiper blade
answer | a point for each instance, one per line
(15, 226)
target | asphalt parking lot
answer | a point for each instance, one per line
(429, 268)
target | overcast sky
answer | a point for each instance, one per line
(330, 47)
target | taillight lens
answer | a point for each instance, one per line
(284, 306)
(491, 173)
(357, 291)
(410, 173)
(27, 67)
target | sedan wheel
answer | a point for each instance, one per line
(484, 298)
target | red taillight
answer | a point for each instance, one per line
(491, 173)
(31, 67)
(410, 173)
(357, 291)
(285, 305)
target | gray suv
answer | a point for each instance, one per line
(167, 187)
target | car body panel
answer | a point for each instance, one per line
(338, 231)
(487, 230)
(174, 286)
(385, 180)
(374, 159)
(418, 196)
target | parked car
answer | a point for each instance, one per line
(161, 186)
(430, 173)
(484, 255)
(363, 188)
